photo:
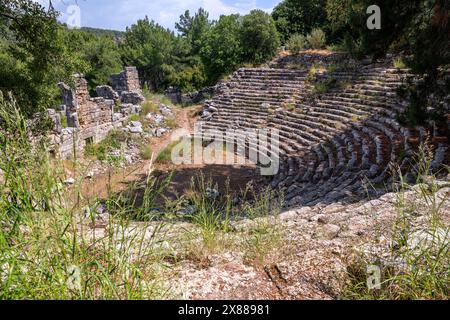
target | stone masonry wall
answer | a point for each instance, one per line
(90, 119)
(127, 80)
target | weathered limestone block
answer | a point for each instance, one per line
(129, 109)
(107, 92)
(68, 96)
(165, 110)
(56, 118)
(117, 117)
(126, 109)
(72, 120)
(127, 80)
(135, 127)
(132, 97)
(174, 94)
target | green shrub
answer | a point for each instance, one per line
(399, 63)
(289, 107)
(316, 39)
(320, 88)
(297, 43)
(324, 87)
(171, 123)
(113, 141)
(135, 117)
(149, 106)
(146, 152)
(64, 121)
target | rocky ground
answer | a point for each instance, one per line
(303, 253)
(316, 248)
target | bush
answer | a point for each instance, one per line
(135, 117)
(146, 152)
(317, 39)
(297, 43)
(171, 123)
(399, 63)
(112, 142)
(64, 122)
(148, 107)
(259, 37)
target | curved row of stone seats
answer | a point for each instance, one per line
(329, 142)
(238, 140)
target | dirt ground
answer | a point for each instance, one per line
(236, 177)
(117, 180)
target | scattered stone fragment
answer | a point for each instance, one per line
(165, 110)
(69, 181)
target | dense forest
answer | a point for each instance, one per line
(37, 51)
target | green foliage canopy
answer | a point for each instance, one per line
(33, 58)
(299, 17)
(259, 37)
(222, 49)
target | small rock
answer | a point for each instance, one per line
(189, 210)
(320, 218)
(135, 124)
(289, 215)
(206, 115)
(212, 109)
(160, 132)
(327, 232)
(212, 193)
(69, 181)
(165, 110)
(236, 201)
(90, 175)
(136, 130)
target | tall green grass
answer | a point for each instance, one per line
(53, 245)
(216, 212)
(416, 265)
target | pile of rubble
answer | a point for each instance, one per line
(156, 125)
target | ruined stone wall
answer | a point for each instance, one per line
(92, 112)
(127, 80)
(308, 59)
(91, 119)
(176, 96)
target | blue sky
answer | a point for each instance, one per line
(118, 14)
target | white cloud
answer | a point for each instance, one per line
(167, 12)
(117, 14)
